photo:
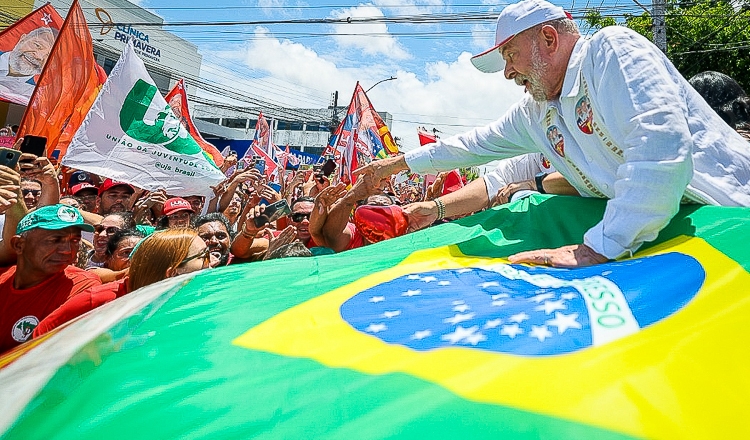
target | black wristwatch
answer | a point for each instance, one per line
(539, 179)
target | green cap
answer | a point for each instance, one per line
(53, 217)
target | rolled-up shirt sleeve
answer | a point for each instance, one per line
(506, 137)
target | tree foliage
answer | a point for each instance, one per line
(701, 35)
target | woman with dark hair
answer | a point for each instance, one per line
(161, 255)
(119, 247)
(726, 97)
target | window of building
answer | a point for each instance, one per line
(234, 122)
(211, 120)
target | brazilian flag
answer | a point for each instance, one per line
(430, 335)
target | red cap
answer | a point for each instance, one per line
(109, 184)
(453, 182)
(176, 204)
(378, 223)
(81, 186)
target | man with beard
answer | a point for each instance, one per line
(19, 66)
(214, 228)
(613, 115)
(115, 197)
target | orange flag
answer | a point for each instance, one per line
(24, 48)
(67, 88)
(177, 99)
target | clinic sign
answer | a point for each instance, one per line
(125, 33)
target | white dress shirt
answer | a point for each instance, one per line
(627, 127)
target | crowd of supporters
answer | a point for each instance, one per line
(73, 241)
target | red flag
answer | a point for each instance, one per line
(25, 47)
(425, 137)
(177, 99)
(68, 86)
(361, 137)
(272, 168)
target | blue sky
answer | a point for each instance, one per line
(426, 46)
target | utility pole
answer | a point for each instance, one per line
(334, 114)
(658, 13)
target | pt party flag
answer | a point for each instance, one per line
(67, 87)
(361, 137)
(177, 99)
(131, 135)
(25, 47)
(429, 335)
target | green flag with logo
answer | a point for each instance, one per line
(429, 335)
(131, 135)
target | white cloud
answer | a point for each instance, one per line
(371, 38)
(482, 37)
(410, 7)
(453, 96)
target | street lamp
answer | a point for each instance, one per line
(382, 80)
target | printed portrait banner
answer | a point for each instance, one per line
(131, 135)
(67, 88)
(177, 99)
(429, 335)
(24, 49)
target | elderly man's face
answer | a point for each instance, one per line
(30, 54)
(524, 64)
(48, 252)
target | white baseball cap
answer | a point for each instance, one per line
(513, 20)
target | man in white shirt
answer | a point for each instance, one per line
(19, 66)
(613, 115)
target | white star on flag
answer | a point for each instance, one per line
(564, 322)
(392, 314)
(489, 284)
(444, 283)
(460, 334)
(47, 19)
(493, 323)
(541, 297)
(419, 335)
(429, 279)
(511, 330)
(540, 332)
(568, 296)
(377, 299)
(412, 293)
(459, 317)
(375, 328)
(519, 317)
(413, 277)
(455, 303)
(500, 295)
(461, 308)
(475, 338)
(551, 306)
(499, 302)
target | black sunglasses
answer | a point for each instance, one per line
(299, 216)
(34, 192)
(205, 254)
(110, 230)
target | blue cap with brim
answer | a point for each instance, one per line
(53, 217)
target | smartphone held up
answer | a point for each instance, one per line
(272, 212)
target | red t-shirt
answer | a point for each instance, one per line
(21, 310)
(82, 303)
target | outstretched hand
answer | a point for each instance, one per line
(383, 168)
(420, 214)
(576, 255)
